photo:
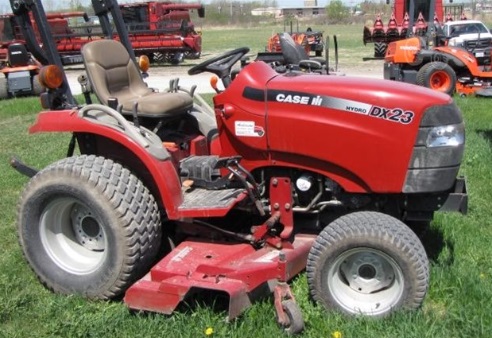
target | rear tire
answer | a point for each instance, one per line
(88, 226)
(438, 76)
(380, 49)
(368, 263)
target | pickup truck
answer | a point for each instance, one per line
(472, 35)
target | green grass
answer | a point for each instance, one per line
(351, 49)
(458, 303)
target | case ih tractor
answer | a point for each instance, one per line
(169, 197)
(409, 17)
(456, 57)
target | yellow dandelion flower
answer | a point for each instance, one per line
(482, 275)
(209, 331)
(336, 334)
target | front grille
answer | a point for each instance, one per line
(482, 43)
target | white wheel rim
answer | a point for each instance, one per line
(72, 236)
(365, 281)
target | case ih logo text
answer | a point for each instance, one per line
(352, 106)
(300, 99)
(394, 115)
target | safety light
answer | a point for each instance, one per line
(143, 63)
(213, 82)
(51, 77)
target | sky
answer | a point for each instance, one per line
(5, 5)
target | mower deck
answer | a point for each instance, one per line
(239, 270)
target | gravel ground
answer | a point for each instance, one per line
(159, 77)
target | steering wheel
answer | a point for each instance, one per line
(220, 65)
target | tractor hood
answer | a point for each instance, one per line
(360, 132)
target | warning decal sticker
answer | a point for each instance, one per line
(248, 129)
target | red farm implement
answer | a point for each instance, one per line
(408, 18)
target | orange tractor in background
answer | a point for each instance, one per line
(407, 19)
(430, 61)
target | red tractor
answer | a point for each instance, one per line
(312, 41)
(286, 172)
(19, 73)
(18, 70)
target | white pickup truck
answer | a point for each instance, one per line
(472, 35)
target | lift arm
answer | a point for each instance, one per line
(49, 53)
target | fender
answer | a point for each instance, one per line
(162, 171)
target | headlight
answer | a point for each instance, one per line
(455, 43)
(442, 136)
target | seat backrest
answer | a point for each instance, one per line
(17, 55)
(293, 53)
(111, 71)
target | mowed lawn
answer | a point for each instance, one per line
(459, 302)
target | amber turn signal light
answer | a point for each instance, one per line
(51, 77)
(144, 63)
(213, 82)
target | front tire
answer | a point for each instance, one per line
(368, 263)
(294, 314)
(88, 226)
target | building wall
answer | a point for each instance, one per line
(310, 3)
(303, 11)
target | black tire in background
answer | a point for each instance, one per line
(37, 87)
(4, 91)
(380, 49)
(438, 76)
(88, 226)
(368, 263)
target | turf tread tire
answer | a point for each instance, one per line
(360, 229)
(135, 222)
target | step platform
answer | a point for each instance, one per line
(199, 202)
